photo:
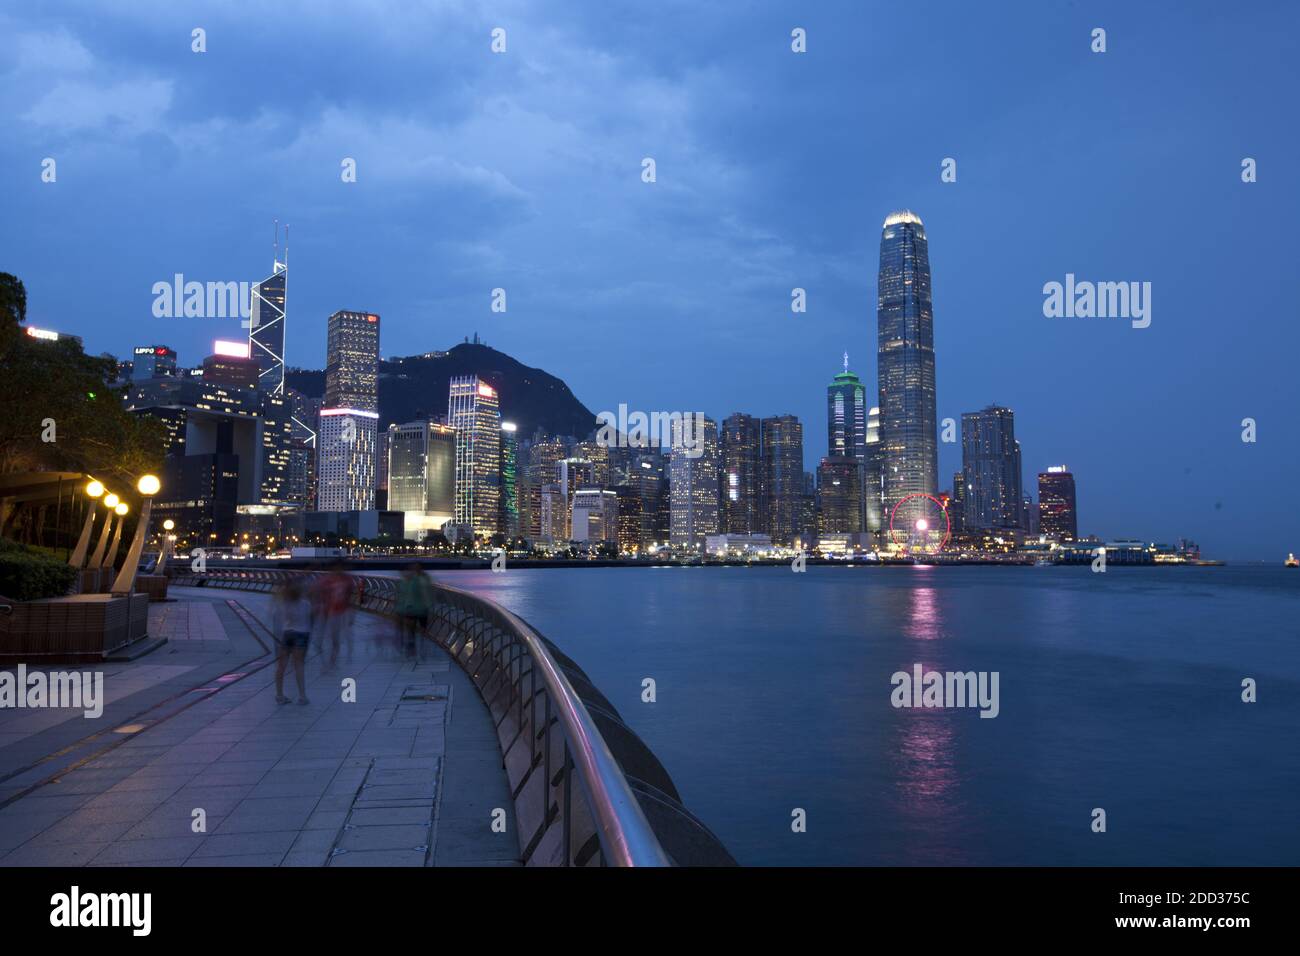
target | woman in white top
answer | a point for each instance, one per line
(291, 625)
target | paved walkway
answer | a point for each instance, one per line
(193, 763)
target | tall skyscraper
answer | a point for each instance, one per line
(352, 361)
(873, 486)
(990, 458)
(905, 363)
(846, 416)
(693, 468)
(543, 455)
(783, 477)
(345, 479)
(742, 503)
(1058, 515)
(152, 361)
(509, 479)
(266, 325)
(422, 475)
(473, 410)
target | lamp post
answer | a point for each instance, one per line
(148, 487)
(110, 502)
(78, 557)
(166, 549)
(110, 557)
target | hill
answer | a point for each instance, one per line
(416, 387)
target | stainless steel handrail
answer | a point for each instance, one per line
(625, 835)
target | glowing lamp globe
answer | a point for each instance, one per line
(95, 489)
(111, 500)
(121, 508)
(148, 485)
(168, 524)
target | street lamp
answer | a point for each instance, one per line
(168, 538)
(110, 557)
(148, 486)
(78, 557)
(110, 501)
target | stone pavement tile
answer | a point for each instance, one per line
(336, 801)
(53, 854)
(168, 782)
(299, 858)
(90, 781)
(243, 844)
(326, 820)
(293, 764)
(421, 791)
(164, 851)
(17, 827)
(146, 799)
(168, 821)
(103, 815)
(389, 816)
(213, 799)
(246, 859)
(314, 841)
(378, 858)
(80, 830)
(385, 838)
(43, 799)
(289, 788)
(268, 814)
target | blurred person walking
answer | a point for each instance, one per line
(334, 594)
(291, 619)
(414, 602)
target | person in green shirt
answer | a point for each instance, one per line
(414, 602)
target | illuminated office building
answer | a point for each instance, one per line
(474, 411)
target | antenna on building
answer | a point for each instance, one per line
(275, 243)
(846, 361)
(286, 245)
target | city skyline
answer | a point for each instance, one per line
(726, 240)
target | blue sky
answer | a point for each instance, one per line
(522, 171)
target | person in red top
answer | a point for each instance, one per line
(334, 594)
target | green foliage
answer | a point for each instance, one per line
(42, 381)
(28, 574)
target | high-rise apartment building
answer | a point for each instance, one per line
(693, 468)
(782, 478)
(990, 458)
(742, 502)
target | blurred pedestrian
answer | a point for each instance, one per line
(291, 615)
(414, 602)
(334, 594)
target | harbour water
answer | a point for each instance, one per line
(1120, 691)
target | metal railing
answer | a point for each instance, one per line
(553, 727)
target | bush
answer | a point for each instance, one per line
(27, 574)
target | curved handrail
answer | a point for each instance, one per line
(625, 835)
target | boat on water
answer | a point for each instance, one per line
(1292, 562)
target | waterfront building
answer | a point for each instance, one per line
(782, 478)
(544, 454)
(595, 516)
(840, 495)
(739, 545)
(352, 361)
(509, 521)
(991, 470)
(422, 475)
(346, 459)
(152, 361)
(905, 368)
(693, 466)
(554, 512)
(873, 486)
(741, 495)
(268, 316)
(1057, 510)
(473, 410)
(957, 504)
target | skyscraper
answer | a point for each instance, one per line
(509, 523)
(473, 410)
(846, 416)
(345, 479)
(693, 469)
(266, 325)
(905, 364)
(873, 486)
(783, 477)
(840, 491)
(742, 505)
(422, 475)
(990, 458)
(352, 361)
(1058, 515)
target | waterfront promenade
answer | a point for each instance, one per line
(409, 774)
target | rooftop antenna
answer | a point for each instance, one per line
(286, 245)
(275, 243)
(846, 361)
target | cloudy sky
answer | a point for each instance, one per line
(522, 170)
